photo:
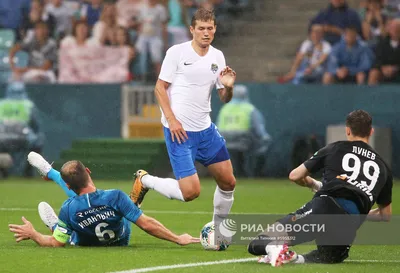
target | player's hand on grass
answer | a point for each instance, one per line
(22, 232)
(186, 239)
(228, 77)
(177, 131)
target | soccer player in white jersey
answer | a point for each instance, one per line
(189, 73)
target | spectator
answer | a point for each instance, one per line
(63, 15)
(392, 8)
(19, 127)
(36, 14)
(310, 63)
(79, 37)
(153, 36)
(363, 6)
(42, 52)
(12, 13)
(387, 62)
(91, 12)
(243, 127)
(178, 28)
(104, 30)
(374, 22)
(123, 39)
(128, 13)
(335, 19)
(350, 60)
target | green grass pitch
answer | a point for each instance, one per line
(21, 197)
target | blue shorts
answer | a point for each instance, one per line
(207, 147)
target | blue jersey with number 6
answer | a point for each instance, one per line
(100, 218)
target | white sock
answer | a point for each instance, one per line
(166, 186)
(223, 201)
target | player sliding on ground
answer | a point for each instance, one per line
(90, 217)
(188, 75)
(355, 177)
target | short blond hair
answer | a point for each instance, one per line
(203, 15)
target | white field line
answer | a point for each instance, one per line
(175, 266)
(372, 261)
(17, 209)
(160, 211)
(203, 212)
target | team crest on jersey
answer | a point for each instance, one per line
(214, 68)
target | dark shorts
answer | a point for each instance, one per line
(333, 241)
(340, 227)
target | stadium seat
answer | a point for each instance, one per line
(5, 70)
(139, 129)
(4, 64)
(21, 59)
(7, 38)
(5, 76)
(151, 111)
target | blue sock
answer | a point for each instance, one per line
(56, 177)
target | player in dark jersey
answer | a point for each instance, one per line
(93, 217)
(354, 178)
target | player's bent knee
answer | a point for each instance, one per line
(257, 247)
(250, 248)
(190, 187)
(191, 194)
(333, 254)
(228, 184)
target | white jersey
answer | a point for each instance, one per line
(192, 79)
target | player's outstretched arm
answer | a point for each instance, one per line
(27, 231)
(155, 228)
(301, 177)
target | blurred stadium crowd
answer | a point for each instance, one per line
(100, 41)
(346, 45)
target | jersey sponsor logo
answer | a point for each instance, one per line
(362, 186)
(301, 215)
(89, 211)
(185, 63)
(214, 68)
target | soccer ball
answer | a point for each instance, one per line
(210, 240)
